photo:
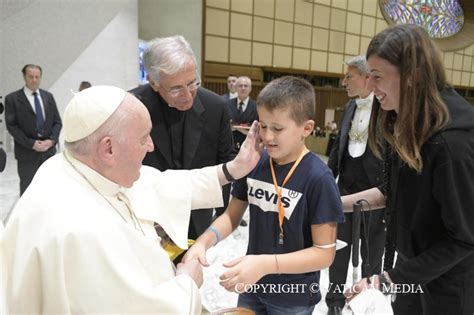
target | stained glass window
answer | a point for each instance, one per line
(440, 18)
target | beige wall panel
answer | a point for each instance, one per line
(264, 8)
(283, 33)
(456, 78)
(262, 54)
(326, 2)
(370, 7)
(319, 61)
(301, 58)
(245, 6)
(457, 65)
(352, 44)
(217, 49)
(263, 29)
(217, 22)
(449, 76)
(355, 5)
(467, 63)
(341, 4)
(380, 25)
(338, 20)
(240, 51)
(321, 16)
(240, 26)
(282, 56)
(335, 63)
(336, 41)
(448, 59)
(368, 26)
(354, 23)
(284, 9)
(320, 39)
(469, 50)
(364, 43)
(223, 4)
(465, 76)
(303, 12)
(472, 79)
(302, 36)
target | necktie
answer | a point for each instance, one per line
(362, 102)
(39, 116)
(241, 107)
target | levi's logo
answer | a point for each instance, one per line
(264, 196)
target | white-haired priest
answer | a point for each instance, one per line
(83, 237)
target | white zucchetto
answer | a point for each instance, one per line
(89, 109)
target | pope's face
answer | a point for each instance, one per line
(133, 148)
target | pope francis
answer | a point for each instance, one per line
(82, 238)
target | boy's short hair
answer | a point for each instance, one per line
(289, 92)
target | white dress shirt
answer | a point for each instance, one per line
(359, 132)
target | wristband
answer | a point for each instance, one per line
(216, 232)
(226, 173)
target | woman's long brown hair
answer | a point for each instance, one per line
(421, 112)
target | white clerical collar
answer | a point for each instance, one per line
(104, 186)
(233, 95)
(365, 102)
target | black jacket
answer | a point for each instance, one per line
(435, 209)
(21, 123)
(372, 165)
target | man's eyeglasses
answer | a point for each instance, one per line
(179, 90)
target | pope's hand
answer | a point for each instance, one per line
(191, 268)
(249, 154)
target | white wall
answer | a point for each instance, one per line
(90, 40)
(172, 17)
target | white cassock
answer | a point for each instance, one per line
(70, 248)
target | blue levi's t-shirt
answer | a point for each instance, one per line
(309, 197)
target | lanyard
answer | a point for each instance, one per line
(278, 190)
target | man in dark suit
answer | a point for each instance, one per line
(358, 169)
(190, 124)
(231, 80)
(242, 110)
(33, 120)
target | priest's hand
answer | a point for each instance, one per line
(192, 268)
(196, 251)
(249, 154)
(243, 272)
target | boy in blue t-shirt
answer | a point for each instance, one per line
(294, 207)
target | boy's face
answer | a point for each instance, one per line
(283, 138)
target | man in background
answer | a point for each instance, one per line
(231, 80)
(358, 169)
(190, 124)
(33, 120)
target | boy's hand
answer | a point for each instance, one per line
(197, 251)
(242, 271)
(191, 268)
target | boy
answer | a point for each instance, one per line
(294, 207)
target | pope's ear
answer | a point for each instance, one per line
(105, 151)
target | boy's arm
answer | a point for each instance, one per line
(313, 258)
(224, 225)
(242, 270)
